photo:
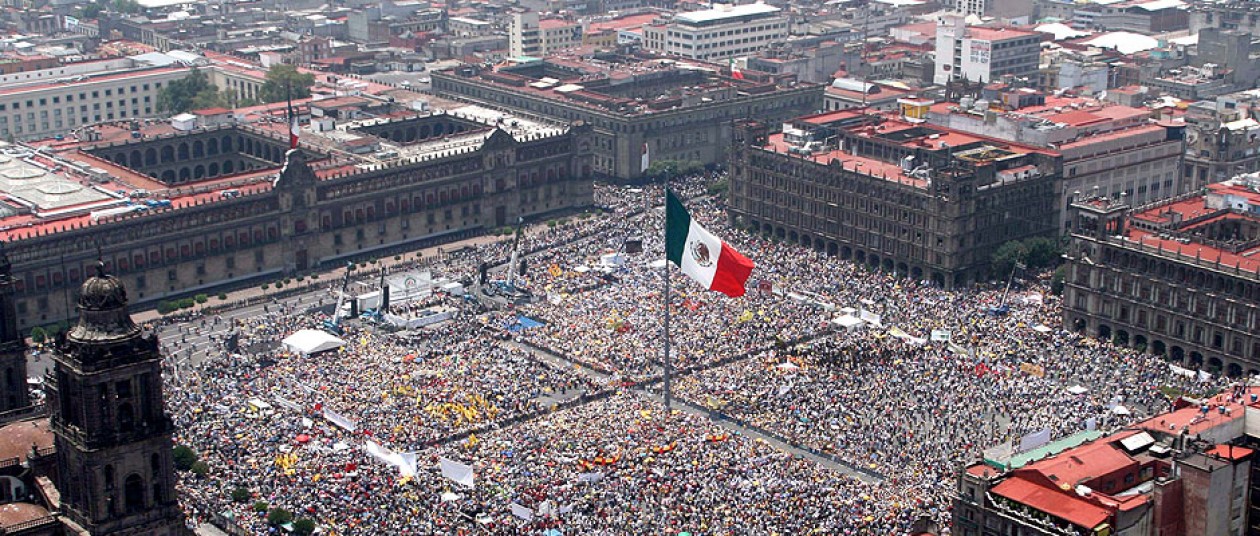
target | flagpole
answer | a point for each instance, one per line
(668, 362)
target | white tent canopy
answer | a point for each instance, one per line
(311, 341)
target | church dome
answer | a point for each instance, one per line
(103, 310)
(102, 292)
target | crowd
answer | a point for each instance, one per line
(607, 461)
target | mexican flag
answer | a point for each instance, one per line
(704, 257)
(735, 72)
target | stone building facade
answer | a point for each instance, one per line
(318, 211)
(1176, 278)
(113, 436)
(892, 193)
(672, 113)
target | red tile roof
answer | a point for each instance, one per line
(1086, 462)
(1062, 504)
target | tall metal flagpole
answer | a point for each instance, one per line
(668, 361)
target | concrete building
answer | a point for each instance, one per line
(532, 37)
(1146, 17)
(1185, 472)
(671, 109)
(1222, 138)
(1107, 149)
(1020, 11)
(55, 106)
(891, 192)
(983, 54)
(722, 32)
(1242, 15)
(1176, 278)
(190, 207)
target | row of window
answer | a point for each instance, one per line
(83, 96)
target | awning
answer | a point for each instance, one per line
(311, 341)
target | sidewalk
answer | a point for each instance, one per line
(256, 291)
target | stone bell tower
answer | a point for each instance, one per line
(112, 433)
(13, 395)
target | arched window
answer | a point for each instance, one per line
(134, 494)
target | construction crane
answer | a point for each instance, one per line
(334, 325)
(514, 269)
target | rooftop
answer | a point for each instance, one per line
(1062, 504)
(17, 513)
(1190, 226)
(17, 438)
(725, 11)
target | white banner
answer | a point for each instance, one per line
(941, 335)
(901, 334)
(869, 317)
(340, 420)
(459, 473)
(406, 463)
(522, 512)
(590, 477)
(1034, 440)
(286, 403)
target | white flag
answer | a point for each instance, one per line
(645, 160)
(460, 473)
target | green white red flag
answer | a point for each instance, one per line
(704, 257)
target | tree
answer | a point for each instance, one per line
(38, 335)
(240, 495)
(304, 526)
(201, 298)
(279, 516)
(90, 11)
(284, 82)
(1043, 252)
(1057, 280)
(200, 468)
(184, 457)
(185, 94)
(1004, 259)
(127, 6)
(261, 506)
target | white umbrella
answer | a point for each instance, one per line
(1077, 390)
(1121, 410)
(788, 365)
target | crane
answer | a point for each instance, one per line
(334, 325)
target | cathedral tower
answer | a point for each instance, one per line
(112, 433)
(13, 395)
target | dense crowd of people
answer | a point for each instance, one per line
(553, 448)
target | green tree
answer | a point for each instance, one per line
(1043, 252)
(283, 79)
(1057, 280)
(201, 298)
(90, 11)
(127, 6)
(240, 495)
(200, 468)
(279, 516)
(261, 506)
(185, 94)
(38, 335)
(1006, 256)
(304, 526)
(184, 457)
